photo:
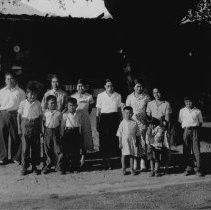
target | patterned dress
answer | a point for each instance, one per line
(84, 101)
(139, 105)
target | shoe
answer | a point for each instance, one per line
(187, 173)
(62, 172)
(199, 174)
(133, 172)
(152, 173)
(157, 174)
(46, 170)
(23, 171)
(124, 172)
(35, 170)
(3, 162)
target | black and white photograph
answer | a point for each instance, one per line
(105, 104)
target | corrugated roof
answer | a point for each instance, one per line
(55, 8)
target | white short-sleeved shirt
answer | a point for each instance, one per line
(108, 104)
(190, 117)
(30, 110)
(72, 120)
(10, 99)
(52, 119)
(156, 111)
(61, 97)
(83, 100)
(138, 103)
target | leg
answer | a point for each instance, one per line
(187, 150)
(196, 149)
(152, 167)
(15, 139)
(35, 152)
(25, 154)
(48, 145)
(4, 134)
(132, 164)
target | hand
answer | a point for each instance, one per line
(98, 126)
(120, 145)
(82, 161)
(20, 132)
(41, 134)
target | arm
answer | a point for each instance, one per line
(63, 123)
(98, 113)
(91, 104)
(120, 142)
(43, 103)
(200, 119)
(19, 117)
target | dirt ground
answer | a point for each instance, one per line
(96, 188)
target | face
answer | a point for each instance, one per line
(138, 88)
(10, 81)
(71, 107)
(80, 88)
(52, 104)
(109, 87)
(31, 96)
(127, 114)
(55, 83)
(156, 94)
(188, 104)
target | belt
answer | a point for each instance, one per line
(11, 111)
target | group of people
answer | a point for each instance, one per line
(138, 128)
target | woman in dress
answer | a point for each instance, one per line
(55, 90)
(85, 104)
(159, 109)
(138, 101)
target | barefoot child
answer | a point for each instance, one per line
(52, 124)
(29, 127)
(128, 132)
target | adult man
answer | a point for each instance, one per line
(10, 97)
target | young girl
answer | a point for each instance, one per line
(128, 132)
(154, 141)
(30, 126)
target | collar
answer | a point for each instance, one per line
(11, 89)
(32, 102)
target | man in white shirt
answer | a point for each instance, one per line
(10, 97)
(191, 120)
(108, 119)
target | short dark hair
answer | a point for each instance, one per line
(138, 81)
(72, 100)
(34, 87)
(10, 73)
(51, 97)
(188, 98)
(107, 80)
(81, 81)
(129, 108)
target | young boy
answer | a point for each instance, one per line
(154, 141)
(191, 120)
(71, 136)
(128, 133)
(29, 127)
(52, 124)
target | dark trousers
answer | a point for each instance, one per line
(8, 126)
(191, 143)
(71, 146)
(30, 142)
(52, 145)
(109, 144)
